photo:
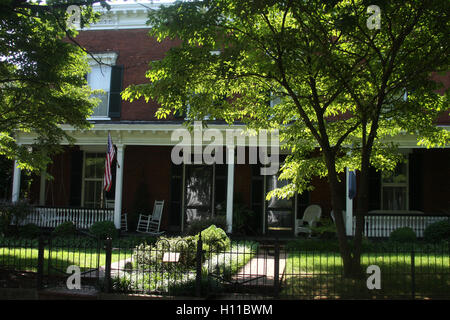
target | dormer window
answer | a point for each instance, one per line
(105, 75)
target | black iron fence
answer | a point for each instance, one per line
(191, 267)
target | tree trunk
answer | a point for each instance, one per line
(337, 195)
(361, 211)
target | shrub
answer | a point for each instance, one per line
(437, 232)
(104, 229)
(30, 231)
(65, 229)
(12, 215)
(404, 235)
(199, 225)
(325, 228)
(151, 256)
(215, 238)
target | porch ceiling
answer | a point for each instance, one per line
(159, 134)
(153, 134)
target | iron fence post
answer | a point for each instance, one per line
(108, 253)
(413, 274)
(40, 269)
(276, 280)
(198, 275)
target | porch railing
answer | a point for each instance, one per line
(381, 225)
(83, 218)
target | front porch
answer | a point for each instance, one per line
(147, 173)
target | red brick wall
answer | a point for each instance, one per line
(135, 49)
(57, 190)
(149, 165)
(242, 183)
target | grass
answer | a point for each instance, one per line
(318, 274)
(22, 255)
(313, 269)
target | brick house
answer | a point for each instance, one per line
(415, 195)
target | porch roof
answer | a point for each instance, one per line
(158, 133)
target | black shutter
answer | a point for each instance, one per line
(176, 191)
(415, 182)
(374, 189)
(76, 169)
(115, 100)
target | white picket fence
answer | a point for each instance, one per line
(381, 226)
(83, 218)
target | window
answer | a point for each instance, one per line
(394, 188)
(108, 78)
(94, 166)
(100, 79)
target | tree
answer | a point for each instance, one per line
(42, 77)
(340, 83)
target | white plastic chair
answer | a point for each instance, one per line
(310, 218)
(151, 224)
(334, 219)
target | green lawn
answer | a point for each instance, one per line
(319, 275)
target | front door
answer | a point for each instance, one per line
(279, 212)
(199, 186)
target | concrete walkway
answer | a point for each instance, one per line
(260, 270)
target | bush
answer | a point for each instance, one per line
(30, 231)
(104, 229)
(437, 232)
(199, 225)
(403, 235)
(12, 215)
(215, 239)
(151, 256)
(325, 229)
(64, 230)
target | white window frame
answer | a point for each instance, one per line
(109, 59)
(84, 179)
(398, 185)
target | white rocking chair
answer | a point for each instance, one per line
(151, 224)
(310, 218)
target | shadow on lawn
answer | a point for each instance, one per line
(320, 275)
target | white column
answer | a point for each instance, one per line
(42, 189)
(230, 189)
(16, 183)
(349, 206)
(119, 184)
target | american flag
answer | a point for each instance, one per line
(109, 159)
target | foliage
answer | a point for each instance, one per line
(65, 230)
(215, 239)
(405, 234)
(243, 217)
(12, 214)
(42, 78)
(104, 229)
(151, 256)
(338, 84)
(437, 232)
(198, 225)
(30, 231)
(121, 284)
(325, 228)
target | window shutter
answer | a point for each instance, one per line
(415, 182)
(76, 168)
(374, 189)
(115, 100)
